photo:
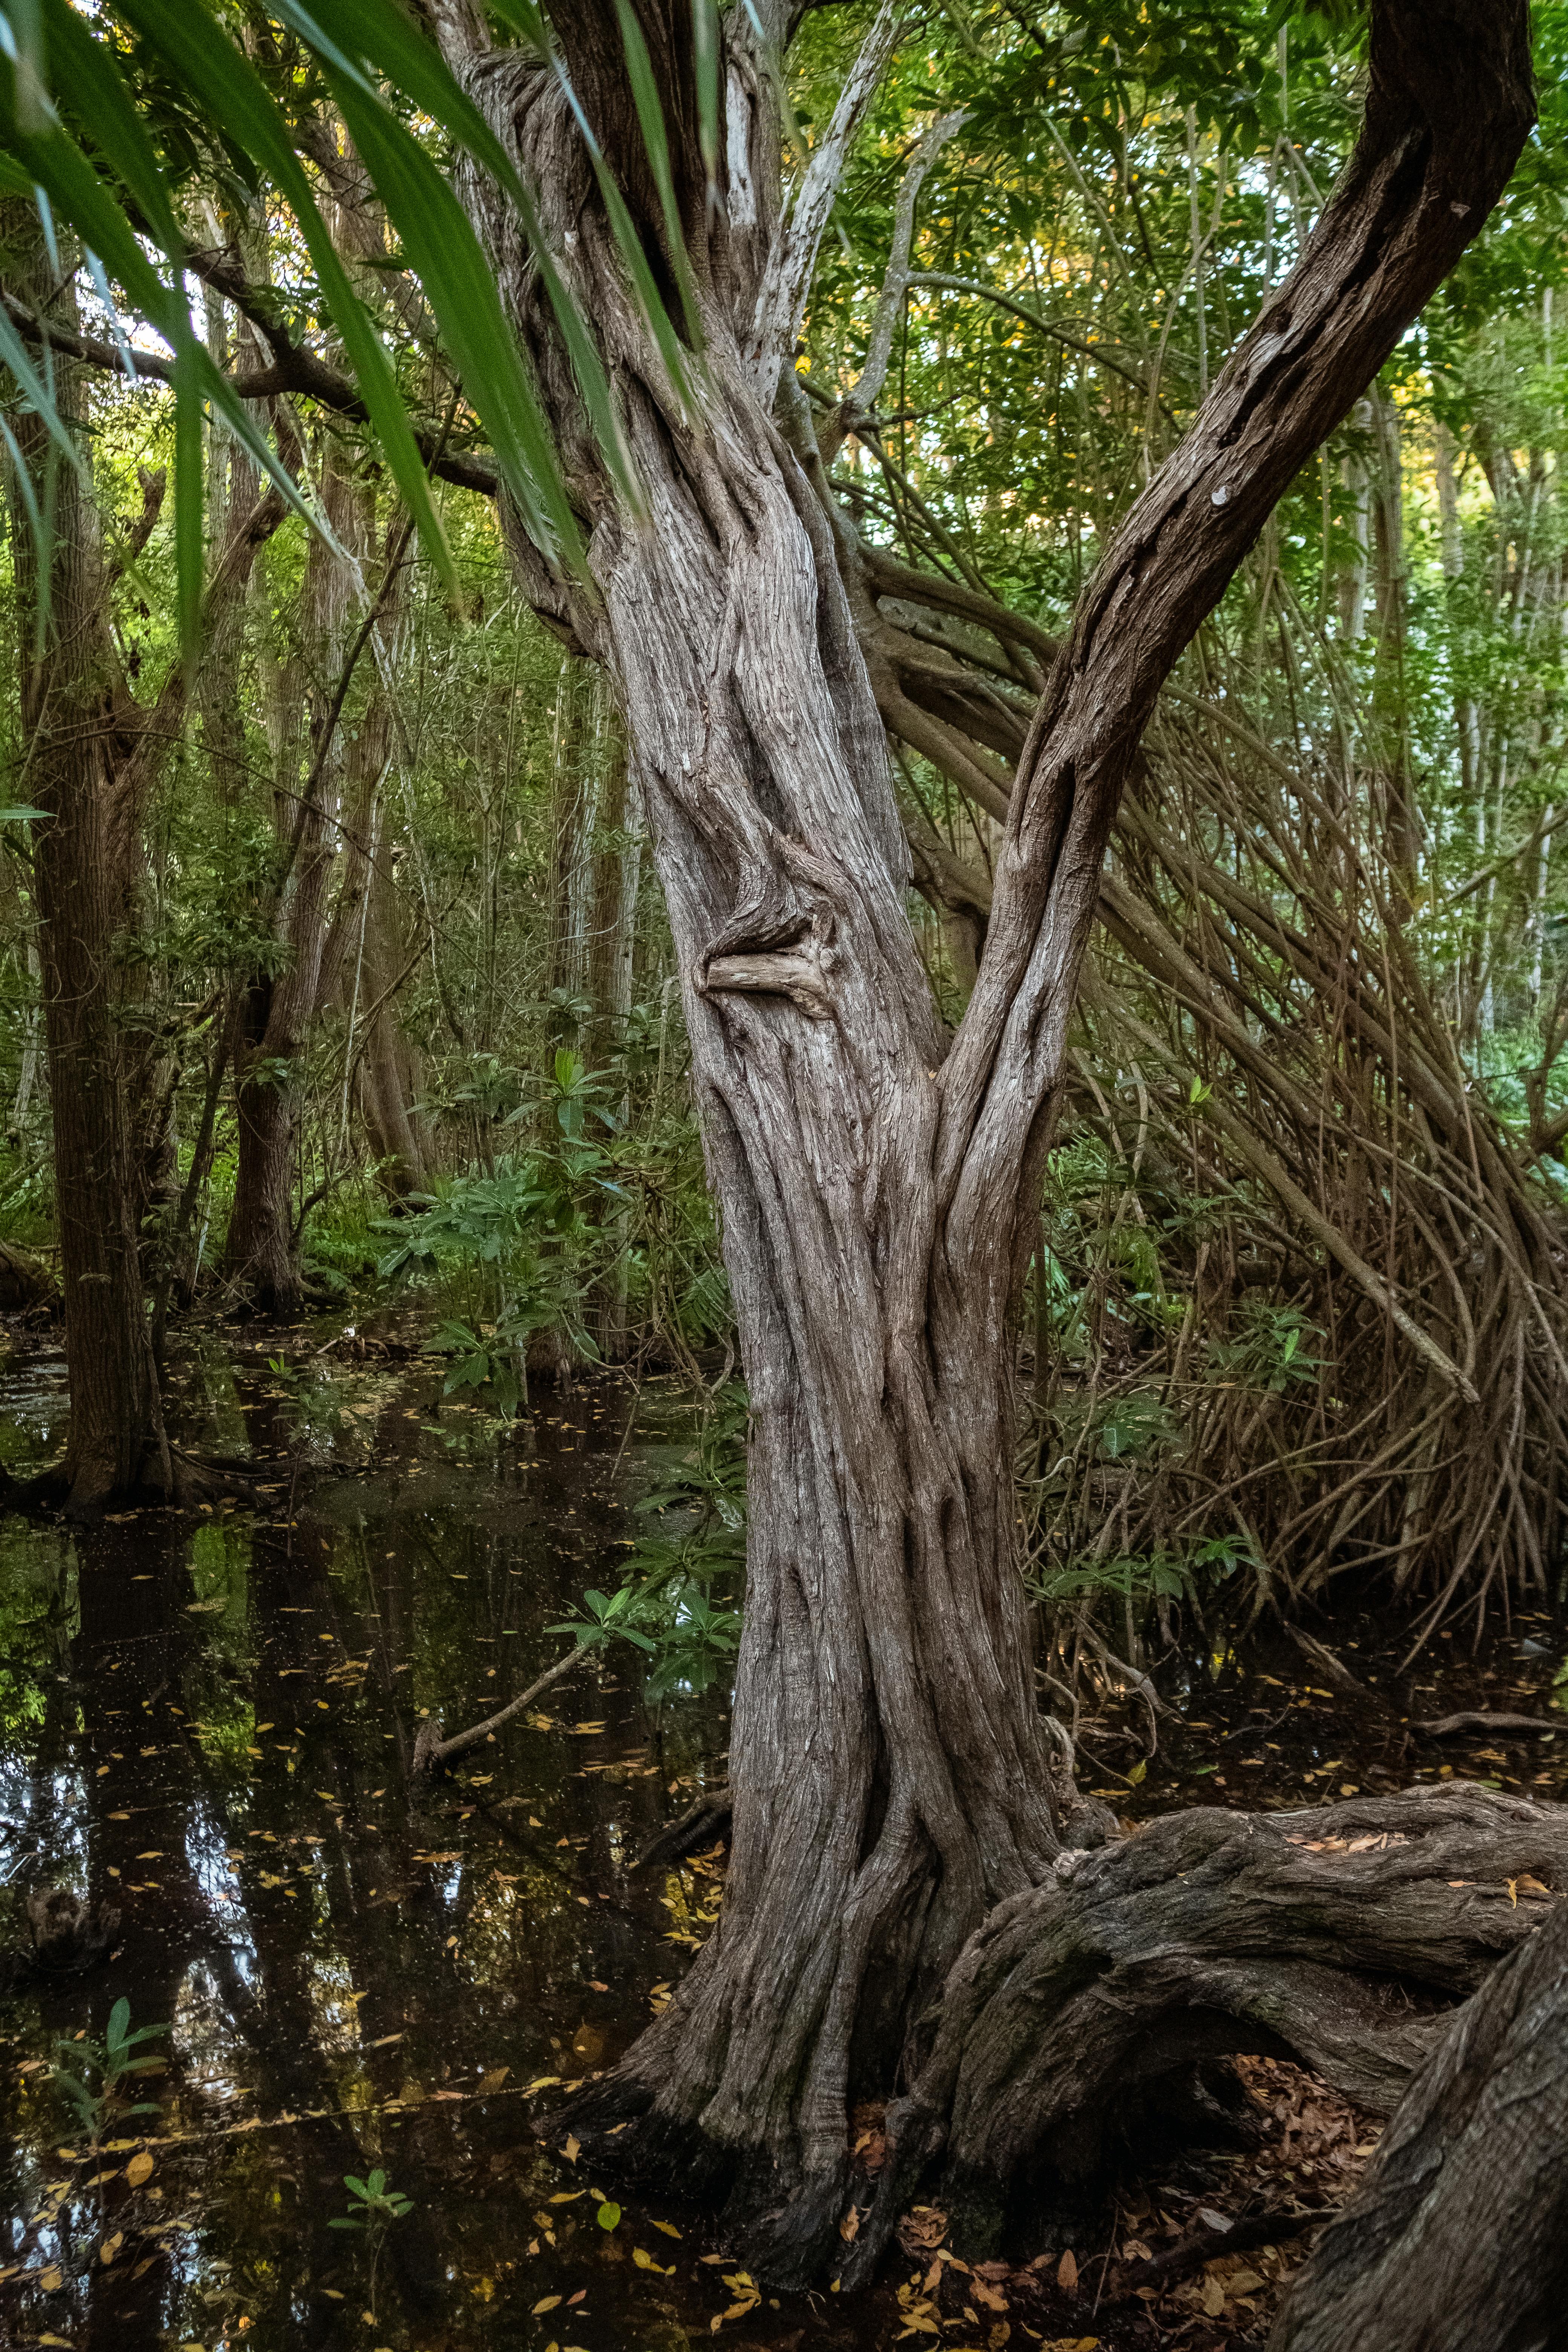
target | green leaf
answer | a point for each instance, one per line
(223, 82)
(409, 62)
(609, 2215)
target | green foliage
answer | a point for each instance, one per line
(677, 1604)
(101, 2075)
(375, 2203)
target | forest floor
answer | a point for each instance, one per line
(209, 1719)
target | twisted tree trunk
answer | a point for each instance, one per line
(893, 1779)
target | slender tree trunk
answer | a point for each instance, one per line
(84, 863)
(893, 1776)
(261, 1259)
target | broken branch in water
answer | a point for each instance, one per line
(432, 1753)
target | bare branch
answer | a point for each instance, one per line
(868, 390)
(781, 299)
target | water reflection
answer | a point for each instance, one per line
(209, 1727)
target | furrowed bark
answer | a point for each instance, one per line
(1459, 2233)
(893, 1780)
(1342, 1936)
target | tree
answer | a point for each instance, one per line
(893, 1778)
(94, 753)
(895, 1782)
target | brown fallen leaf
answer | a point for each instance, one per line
(1067, 2273)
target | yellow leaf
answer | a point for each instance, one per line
(572, 2149)
(668, 2227)
(540, 2083)
(567, 2196)
(545, 2302)
(493, 2080)
(1213, 2296)
(645, 2261)
(111, 2246)
(139, 2170)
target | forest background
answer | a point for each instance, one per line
(393, 991)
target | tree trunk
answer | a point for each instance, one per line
(893, 1778)
(1341, 1936)
(73, 715)
(261, 1260)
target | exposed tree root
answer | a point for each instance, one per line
(165, 1481)
(1458, 2234)
(1341, 1937)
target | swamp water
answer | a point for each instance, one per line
(207, 1720)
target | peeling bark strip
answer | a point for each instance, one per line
(893, 1778)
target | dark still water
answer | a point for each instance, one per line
(208, 1722)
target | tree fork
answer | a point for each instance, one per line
(893, 1778)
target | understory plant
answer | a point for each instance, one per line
(685, 1570)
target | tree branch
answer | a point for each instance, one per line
(1448, 109)
(781, 299)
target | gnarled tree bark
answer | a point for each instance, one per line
(1341, 1936)
(1459, 2233)
(893, 1779)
